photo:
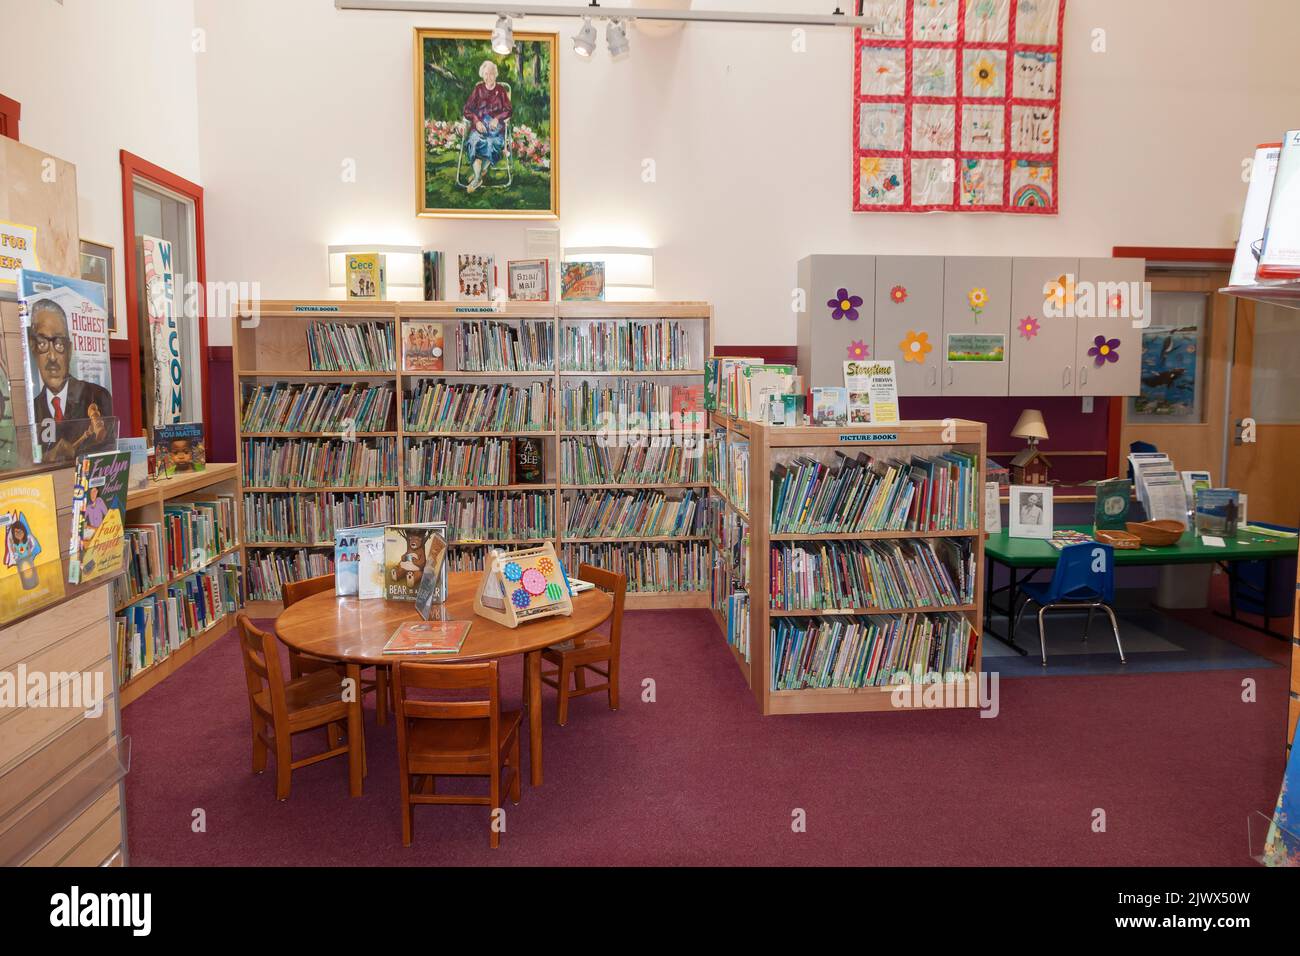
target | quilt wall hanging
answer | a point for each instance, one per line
(957, 106)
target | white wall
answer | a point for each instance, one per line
(751, 142)
(95, 77)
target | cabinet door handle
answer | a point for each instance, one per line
(1065, 377)
(934, 375)
(949, 374)
(1083, 375)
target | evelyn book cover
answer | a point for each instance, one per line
(98, 516)
(31, 571)
(65, 352)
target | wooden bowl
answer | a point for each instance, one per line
(1157, 534)
(1119, 539)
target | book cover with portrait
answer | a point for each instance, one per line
(65, 357)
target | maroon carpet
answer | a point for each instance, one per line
(1176, 761)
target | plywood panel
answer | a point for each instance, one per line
(40, 190)
(31, 728)
(84, 839)
(44, 771)
(28, 637)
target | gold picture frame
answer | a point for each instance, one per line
(510, 171)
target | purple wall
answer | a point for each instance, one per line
(221, 396)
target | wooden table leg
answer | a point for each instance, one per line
(356, 733)
(533, 667)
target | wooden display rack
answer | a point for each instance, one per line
(765, 442)
(62, 796)
(272, 347)
(145, 505)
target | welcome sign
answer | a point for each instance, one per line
(164, 333)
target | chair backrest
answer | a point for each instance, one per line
(613, 584)
(295, 591)
(1084, 572)
(408, 675)
(261, 656)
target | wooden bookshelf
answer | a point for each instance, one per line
(270, 345)
(145, 506)
(767, 444)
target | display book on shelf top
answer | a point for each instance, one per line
(270, 347)
(769, 445)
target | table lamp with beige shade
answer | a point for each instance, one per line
(1031, 465)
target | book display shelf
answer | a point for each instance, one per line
(183, 584)
(522, 429)
(789, 594)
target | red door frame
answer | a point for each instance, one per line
(11, 112)
(1114, 454)
(134, 167)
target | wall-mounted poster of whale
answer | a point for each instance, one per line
(1171, 363)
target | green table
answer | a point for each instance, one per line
(1036, 554)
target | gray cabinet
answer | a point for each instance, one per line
(975, 330)
(1042, 355)
(1115, 301)
(909, 315)
(824, 340)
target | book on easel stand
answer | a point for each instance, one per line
(521, 586)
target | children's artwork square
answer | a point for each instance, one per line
(933, 127)
(934, 71)
(977, 83)
(884, 71)
(933, 181)
(883, 126)
(881, 180)
(982, 128)
(981, 182)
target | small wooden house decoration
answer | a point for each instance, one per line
(1031, 465)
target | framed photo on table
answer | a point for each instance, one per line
(97, 264)
(1030, 512)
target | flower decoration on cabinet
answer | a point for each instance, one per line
(1059, 292)
(978, 298)
(1104, 350)
(1028, 327)
(898, 294)
(844, 305)
(916, 347)
(859, 350)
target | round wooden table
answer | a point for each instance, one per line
(354, 632)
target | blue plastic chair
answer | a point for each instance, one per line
(1084, 577)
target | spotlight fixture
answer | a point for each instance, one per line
(503, 37)
(616, 39)
(584, 41)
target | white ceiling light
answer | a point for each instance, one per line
(616, 39)
(503, 37)
(584, 41)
